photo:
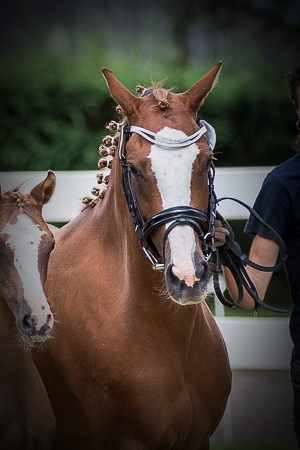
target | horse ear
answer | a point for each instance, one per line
(197, 93)
(119, 92)
(43, 191)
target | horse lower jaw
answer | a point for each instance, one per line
(33, 341)
(187, 295)
(188, 291)
(36, 339)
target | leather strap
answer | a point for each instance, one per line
(235, 260)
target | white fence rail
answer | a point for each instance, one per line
(72, 186)
(252, 343)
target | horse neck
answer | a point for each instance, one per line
(8, 329)
(119, 243)
(142, 286)
(114, 221)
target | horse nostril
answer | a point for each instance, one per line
(29, 323)
(173, 278)
(170, 274)
(203, 271)
(50, 321)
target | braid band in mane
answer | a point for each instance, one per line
(107, 151)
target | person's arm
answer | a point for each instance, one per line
(263, 252)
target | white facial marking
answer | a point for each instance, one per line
(24, 238)
(173, 171)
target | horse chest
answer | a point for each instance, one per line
(158, 409)
(148, 383)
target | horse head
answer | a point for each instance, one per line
(25, 246)
(167, 159)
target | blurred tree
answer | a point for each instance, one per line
(54, 101)
(277, 20)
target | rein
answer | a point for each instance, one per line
(229, 254)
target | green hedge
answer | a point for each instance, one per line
(53, 111)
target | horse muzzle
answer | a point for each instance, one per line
(34, 330)
(186, 270)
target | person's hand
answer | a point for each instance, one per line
(221, 230)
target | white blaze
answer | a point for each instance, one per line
(24, 238)
(173, 171)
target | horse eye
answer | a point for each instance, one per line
(133, 170)
(208, 164)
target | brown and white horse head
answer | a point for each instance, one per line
(25, 246)
(170, 157)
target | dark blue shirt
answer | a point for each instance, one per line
(278, 203)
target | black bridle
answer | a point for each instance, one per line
(201, 222)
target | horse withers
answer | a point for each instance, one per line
(139, 362)
(26, 416)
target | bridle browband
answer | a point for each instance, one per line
(168, 143)
(201, 222)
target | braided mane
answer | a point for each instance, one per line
(109, 146)
(13, 196)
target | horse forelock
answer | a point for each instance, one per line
(159, 93)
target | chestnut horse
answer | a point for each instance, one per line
(26, 416)
(139, 362)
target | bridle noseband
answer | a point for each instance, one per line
(201, 222)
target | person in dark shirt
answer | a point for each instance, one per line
(278, 203)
